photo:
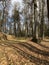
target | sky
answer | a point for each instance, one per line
(13, 1)
(12, 5)
(21, 6)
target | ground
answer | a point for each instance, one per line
(23, 52)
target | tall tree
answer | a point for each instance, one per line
(42, 20)
(35, 21)
(4, 14)
(16, 18)
(48, 11)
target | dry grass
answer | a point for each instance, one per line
(8, 56)
(23, 52)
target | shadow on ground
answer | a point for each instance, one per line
(28, 56)
(31, 48)
(34, 49)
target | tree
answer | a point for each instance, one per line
(5, 5)
(0, 21)
(42, 20)
(28, 16)
(16, 18)
(48, 11)
(48, 7)
(36, 21)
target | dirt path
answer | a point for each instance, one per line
(23, 53)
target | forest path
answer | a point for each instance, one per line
(23, 53)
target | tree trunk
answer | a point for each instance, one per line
(34, 32)
(42, 21)
(48, 11)
(14, 28)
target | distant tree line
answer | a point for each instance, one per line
(35, 22)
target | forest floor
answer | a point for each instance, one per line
(23, 52)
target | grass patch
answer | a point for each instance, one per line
(21, 38)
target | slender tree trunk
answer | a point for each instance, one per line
(4, 17)
(42, 21)
(14, 28)
(32, 16)
(48, 11)
(34, 34)
(36, 22)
